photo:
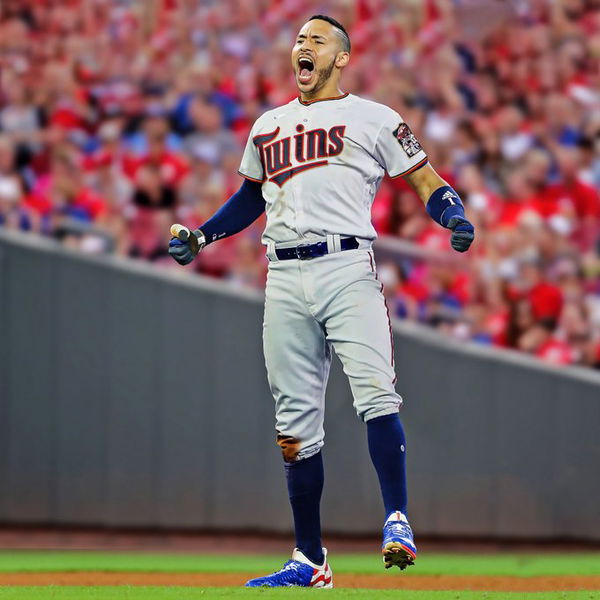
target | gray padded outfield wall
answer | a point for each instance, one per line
(132, 396)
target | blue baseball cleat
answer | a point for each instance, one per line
(299, 572)
(398, 546)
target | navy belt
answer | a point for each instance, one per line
(306, 251)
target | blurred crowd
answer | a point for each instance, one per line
(119, 117)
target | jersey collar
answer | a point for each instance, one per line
(309, 102)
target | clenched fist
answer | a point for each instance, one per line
(185, 244)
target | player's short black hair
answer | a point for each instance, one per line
(343, 33)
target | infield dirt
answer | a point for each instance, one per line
(409, 582)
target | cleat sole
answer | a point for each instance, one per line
(396, 554)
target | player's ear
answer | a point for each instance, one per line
(342, 59)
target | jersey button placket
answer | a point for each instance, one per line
(297, 192)
(303, 265)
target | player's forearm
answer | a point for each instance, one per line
(441, 200)
(425, 181)
(239, 212)
(443, 205)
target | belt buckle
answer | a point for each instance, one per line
(300, 255)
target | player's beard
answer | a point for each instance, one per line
(323, 76)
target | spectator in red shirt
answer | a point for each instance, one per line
(583, 198)
(544, 297)
(63, 195)
(172, 167)
(519, 201)
(539, 340)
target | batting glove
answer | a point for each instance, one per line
(463, 233)
(186, 246)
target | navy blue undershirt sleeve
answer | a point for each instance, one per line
(240, 211)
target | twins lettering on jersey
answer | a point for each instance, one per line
(285, 157)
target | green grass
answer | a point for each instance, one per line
(428, 564)
(523, 565)
(185, 593)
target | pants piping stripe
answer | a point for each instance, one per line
(387, 310)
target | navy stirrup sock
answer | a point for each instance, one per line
(305, 484)
(387, 447)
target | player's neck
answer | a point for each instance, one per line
(327, 91)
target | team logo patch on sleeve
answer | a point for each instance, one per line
(406, 138)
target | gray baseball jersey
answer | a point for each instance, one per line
(321, 163)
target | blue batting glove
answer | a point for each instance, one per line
(181, 251)
(185, 244)
(463, 233)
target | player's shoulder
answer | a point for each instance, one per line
(373, 111)
(270, 117)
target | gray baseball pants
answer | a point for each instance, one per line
(311, 306)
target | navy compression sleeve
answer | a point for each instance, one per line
(240, 211)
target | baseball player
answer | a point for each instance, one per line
(314, 165)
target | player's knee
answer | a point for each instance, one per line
(293, 449)
(290, 447)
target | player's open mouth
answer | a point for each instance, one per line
(306, 68)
